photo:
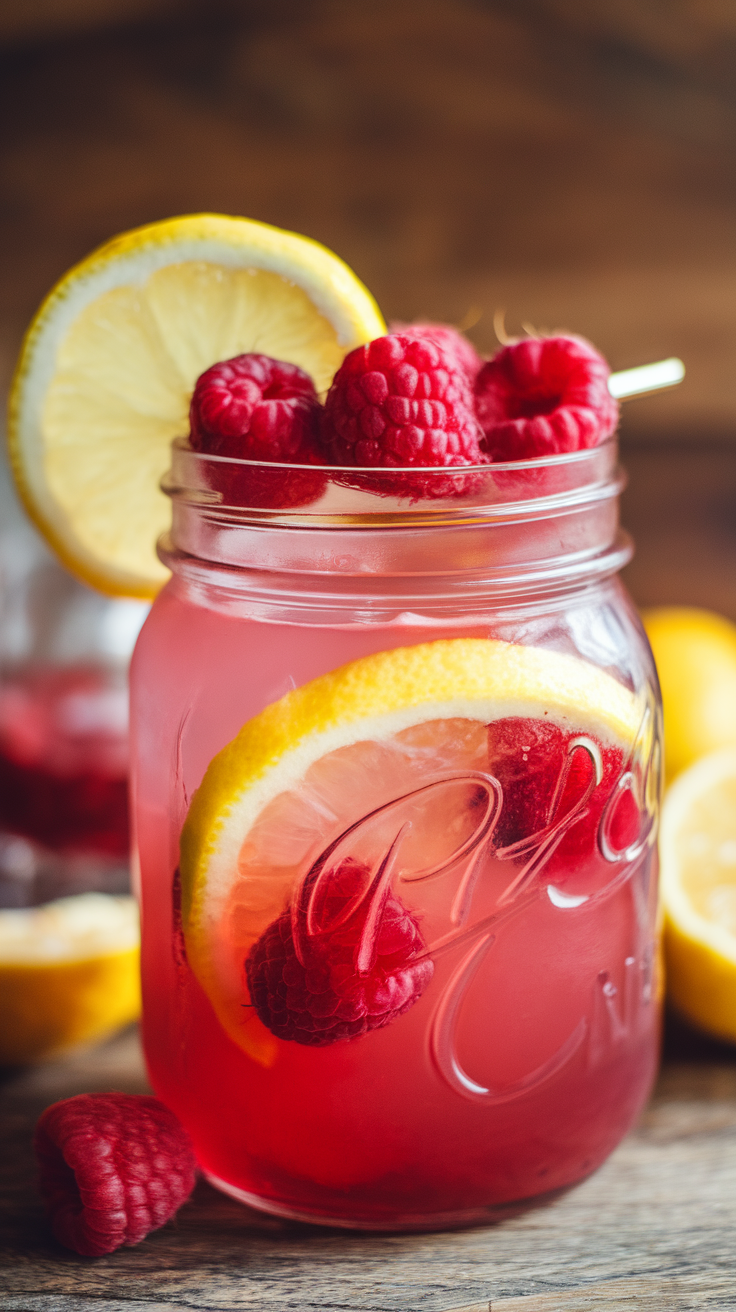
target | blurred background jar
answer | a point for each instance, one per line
(64, 653)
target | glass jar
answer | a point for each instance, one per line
(64, 653)
(400, 960)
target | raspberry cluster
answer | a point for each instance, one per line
(418, 398)
(359, 969)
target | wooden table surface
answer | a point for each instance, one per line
(654, 1228)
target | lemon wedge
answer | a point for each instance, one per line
(109, 363)
(698, 850)
(334, 750)
(69, 974)
(695, 651)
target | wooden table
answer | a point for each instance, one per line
(653, 1229)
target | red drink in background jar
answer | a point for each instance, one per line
(64, 651)
(64, 760)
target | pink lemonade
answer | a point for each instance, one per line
(518, 852)
(64, 760)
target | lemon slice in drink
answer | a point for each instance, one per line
(328, 754)
(698, 848)
(109, 364)
(69, 974)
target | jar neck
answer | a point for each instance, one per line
(459, 542)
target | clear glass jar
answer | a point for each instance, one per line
(435, 869)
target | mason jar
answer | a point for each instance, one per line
(396, 775)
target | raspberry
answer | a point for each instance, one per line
(256, 408)
(544, 395)
(401, 401)
(358, 960)
(112, 1168)
(448, 339)
(529, 758)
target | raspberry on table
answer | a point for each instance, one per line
(449, 339)
(315, 992)
(401, 401)
(542, 396)
(113, 1167)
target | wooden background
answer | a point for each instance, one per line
(571, 163)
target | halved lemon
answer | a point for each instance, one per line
(331, 752)
(695, 652)
(69, 974)
(109, 363)
(698, 849)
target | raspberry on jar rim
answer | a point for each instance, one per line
(401, 401)
(542, 396)
(449, 339)
(256, 408)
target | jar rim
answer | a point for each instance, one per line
(536, 462)
(232, 491)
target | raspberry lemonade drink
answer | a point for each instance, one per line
(396, 742)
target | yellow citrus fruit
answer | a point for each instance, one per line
(69, 974)
(695, 652)
(332, 751)
(109, 363)
(698, 849)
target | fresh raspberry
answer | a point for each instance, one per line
(401, 401)
(112, 1168)
(541, 396)
(256, 408)
(360, 965)
(450, 340)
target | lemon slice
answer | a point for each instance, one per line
(69, 974)
(698, 849)
(329, 753)
(109, 364)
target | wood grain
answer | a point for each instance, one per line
(652, 1229)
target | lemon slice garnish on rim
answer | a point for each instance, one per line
(698, 850)
(327, 754)
(69, 974)
(109, 363)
